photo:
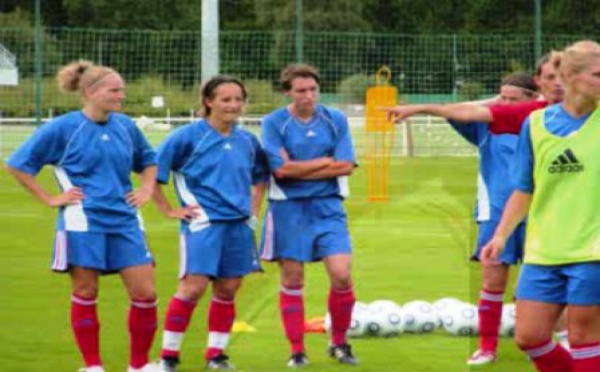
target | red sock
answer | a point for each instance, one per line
(490, 314)
(586, 358)
(340, 305)
(177, 320)
(142, 327)
(550, 357)
(291, 308)
(221, 314)
(84, 322)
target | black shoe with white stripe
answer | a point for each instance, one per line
(343, 354)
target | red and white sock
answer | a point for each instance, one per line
(86, 328)
(490, 315)
(221, 314)
(550, 357)
(586, 358)
(142, 327)
(291, 308)
(177, 320)
(340, 304)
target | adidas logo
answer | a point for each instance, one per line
(566, 163)
(227, 146)
(105, 137)
(310, 133)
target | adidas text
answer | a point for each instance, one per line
(566, 168)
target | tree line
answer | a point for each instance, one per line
(380, 16)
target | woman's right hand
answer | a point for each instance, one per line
(70, 197)
(491, 251)
(187, 213)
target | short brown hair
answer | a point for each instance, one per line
(520, 80)
(296, 70)
(207, 90)
(540, 63)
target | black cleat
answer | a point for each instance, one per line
(168, 364)
(297, 360)
(219, 363)
(343, 354)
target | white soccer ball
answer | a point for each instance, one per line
(507, 323)
(357, 322)
(383, 318)
(382, 305)
(444, 305)
(419, 317)
(461, 320)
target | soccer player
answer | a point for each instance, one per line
(495, 155)
(501, 117)
(93, 152)
(556, 183)
(310, 154)
(219, 174)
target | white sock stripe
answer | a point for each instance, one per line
(291, 292)
(144, 305)
(185, 300)
(542, 350)
(494, 297)
(585, 352)
(172, 340)
(83, 301)
(218, 340)
(219, 301)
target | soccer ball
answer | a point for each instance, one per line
(442, 306)
(388, 318)
(357, 322)
(419, 317)
(382, 305)
(383, 318)
(461, 320)
(507, 324)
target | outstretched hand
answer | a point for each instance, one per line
(400, 112)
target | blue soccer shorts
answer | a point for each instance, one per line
(512, 254)
(574, 284)
(105, 252)
(218, 250)
(304, 230)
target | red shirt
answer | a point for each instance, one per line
(509, 118)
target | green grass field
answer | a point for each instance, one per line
(415, 246)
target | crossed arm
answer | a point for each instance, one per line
(314, 169)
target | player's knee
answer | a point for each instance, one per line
(292, 278)
(144, 295)
(85, 290)
(341, 281)
(293, 282)
(190, 292)
(579, 331)
(225, 292)
(525, 340)
(494, 285)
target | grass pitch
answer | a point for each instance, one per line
(415, 246)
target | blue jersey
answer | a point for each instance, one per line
(96, 157)
(558, 122)
(212, 171)
(325, 135)
(496, 153)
